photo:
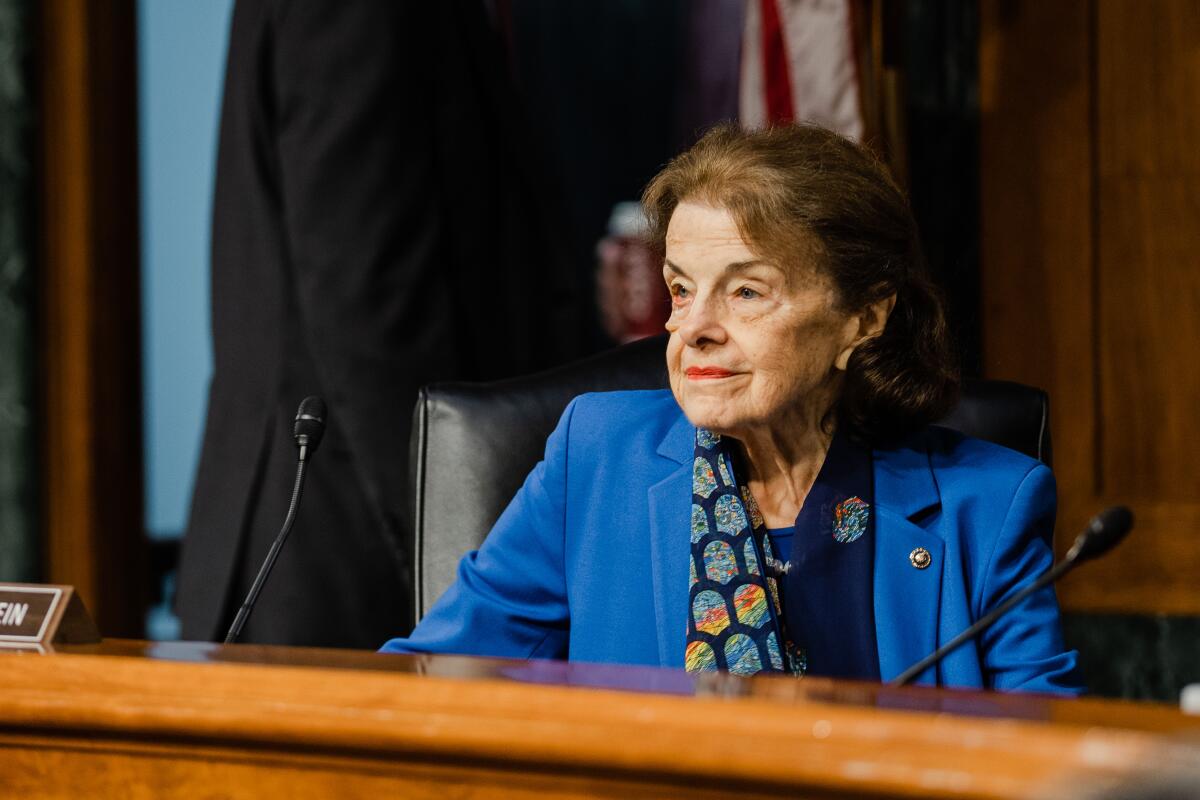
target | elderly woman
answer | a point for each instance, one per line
(786, 506)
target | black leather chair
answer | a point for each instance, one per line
(474, 443)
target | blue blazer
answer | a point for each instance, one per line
(590, 560)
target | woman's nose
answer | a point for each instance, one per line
(702, 323)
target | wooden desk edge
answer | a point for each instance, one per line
(406, 717)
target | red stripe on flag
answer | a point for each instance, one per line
(775, 65)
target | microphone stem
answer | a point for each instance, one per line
(243, 614)
(1047, 577)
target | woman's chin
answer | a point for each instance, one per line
(715, 417)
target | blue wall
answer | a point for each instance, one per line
(181, 64)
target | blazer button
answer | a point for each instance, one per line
(920, 558)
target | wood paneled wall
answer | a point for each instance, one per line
(1090, 258)
(89, 354)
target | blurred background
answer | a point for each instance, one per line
(1049, 150)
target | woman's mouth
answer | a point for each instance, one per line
(706, 373)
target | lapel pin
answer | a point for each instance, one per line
(920, 558)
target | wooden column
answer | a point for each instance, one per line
(1091, 269)
(90, 327)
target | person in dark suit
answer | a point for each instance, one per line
(374, 229)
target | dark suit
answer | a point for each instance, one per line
(374, 229)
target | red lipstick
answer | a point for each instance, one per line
(698, 373)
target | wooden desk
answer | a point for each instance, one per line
(134, 719)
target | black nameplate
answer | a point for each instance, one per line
(26, 611)
(33, 616)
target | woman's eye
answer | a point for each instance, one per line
(746, 293)
(679, 292)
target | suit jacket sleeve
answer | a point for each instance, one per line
(1024, 650)
(510, 597)
(352, 92)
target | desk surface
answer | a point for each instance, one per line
(310, 721)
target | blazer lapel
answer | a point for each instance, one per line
(907, 599)
(669, 545)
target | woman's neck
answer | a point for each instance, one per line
(782, 463)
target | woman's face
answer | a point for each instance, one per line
(753, 344)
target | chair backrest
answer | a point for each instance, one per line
(473, 443)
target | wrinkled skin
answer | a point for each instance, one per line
(758, 350)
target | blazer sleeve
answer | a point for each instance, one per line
(1024, 649)
(510, 596)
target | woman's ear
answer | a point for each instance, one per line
(871, 322)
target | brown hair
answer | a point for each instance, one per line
(799, 190)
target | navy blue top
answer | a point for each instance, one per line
(829, 596)
(781, 542)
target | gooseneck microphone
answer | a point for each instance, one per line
(1102, 533)
(307, 431)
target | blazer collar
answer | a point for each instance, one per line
(679, 443)
(669, 545)
(907, 599)
(904, 480)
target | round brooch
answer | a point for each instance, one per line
(850, 519)
(920, 558)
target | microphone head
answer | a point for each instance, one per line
(1102, 533)
(310, 423)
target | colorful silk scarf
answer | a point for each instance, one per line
(746, 609)
(735, 608)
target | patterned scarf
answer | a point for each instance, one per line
(745, 607)
(735, 610)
